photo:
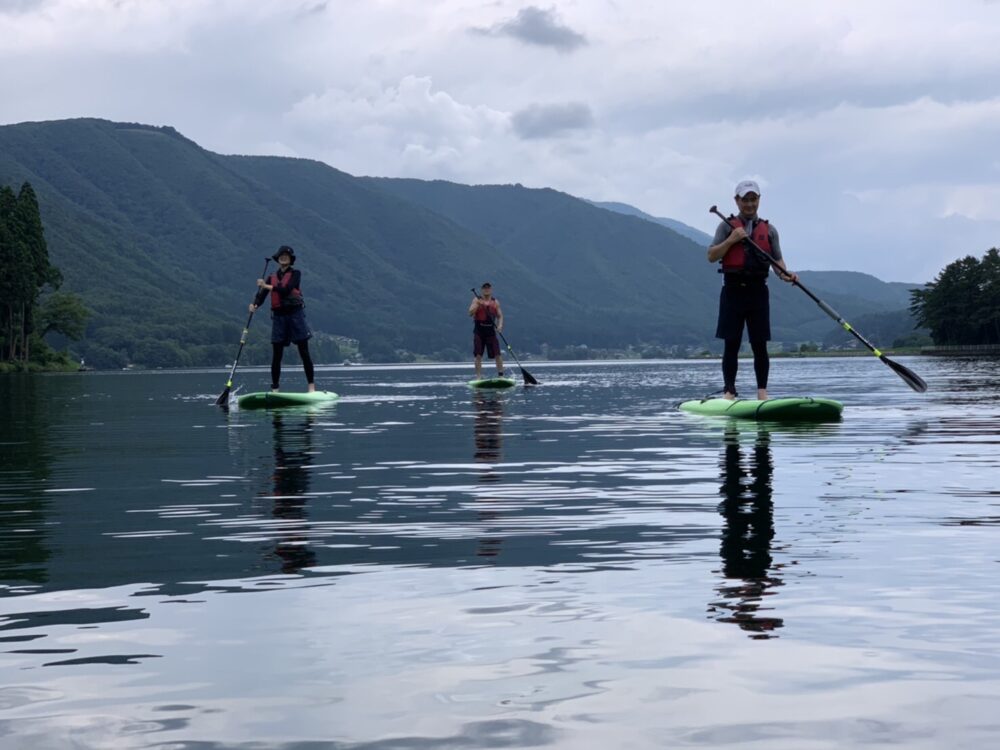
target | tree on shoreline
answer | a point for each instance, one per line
(26, 273)
(961, 307)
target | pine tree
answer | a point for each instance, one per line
(39, 271)
(962, 305)
(990, 269)
(24, 258)
(8, 261)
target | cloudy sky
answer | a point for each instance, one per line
(873, 127)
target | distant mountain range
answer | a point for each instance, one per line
(164, 240)
(695, 235)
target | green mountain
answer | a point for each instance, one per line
(862, 287)
(635, 281)
(164, 240)
(890, 294)
(888, 328)
(661, 278)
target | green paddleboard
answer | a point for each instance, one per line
(271, 400)
(493, 383)
(803, 409)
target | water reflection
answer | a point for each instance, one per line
(748, 531)
(606, 505)
(292, 437)
(488, 438)
(24, 471)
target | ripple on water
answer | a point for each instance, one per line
(575, 566)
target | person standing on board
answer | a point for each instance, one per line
(288, 319)
(744, 298)
(488, 320)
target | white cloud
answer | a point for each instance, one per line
(408, 124)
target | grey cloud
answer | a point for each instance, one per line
(314, 9)
(533, 25)
(785, 99)
(10, 7)
(546, 120)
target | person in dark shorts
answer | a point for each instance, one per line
(288, 318)
(488, 320)
(744, 299)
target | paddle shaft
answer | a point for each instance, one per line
(243, 342)
(528, 377)
(911, 378)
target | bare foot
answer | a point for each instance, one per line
(729, 396)
(311, 388)
(762, 394)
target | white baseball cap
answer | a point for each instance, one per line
(747, 186)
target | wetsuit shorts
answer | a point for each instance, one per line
(484, 338)
(744, 300)
(289, 328)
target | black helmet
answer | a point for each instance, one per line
(282, 251)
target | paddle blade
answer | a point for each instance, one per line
(529, 379)
(223, 399)
(911, 378)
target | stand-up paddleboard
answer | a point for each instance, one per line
(275, 400)
(804, 409)
(495, 382)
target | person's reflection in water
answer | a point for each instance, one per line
(290, 488)
(488, 436)
(747, 534)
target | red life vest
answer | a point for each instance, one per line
(487, 312)
(742, 259)
(294, 298)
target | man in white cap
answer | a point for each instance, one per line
(744, 299)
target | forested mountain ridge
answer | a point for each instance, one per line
(661, 277)
(867, 289)
(163, 240)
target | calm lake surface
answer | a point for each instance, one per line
(573, 566)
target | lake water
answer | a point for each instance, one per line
(573, 566)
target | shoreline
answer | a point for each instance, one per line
(428, 364)
(11, 368)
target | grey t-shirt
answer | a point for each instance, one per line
(772, 235)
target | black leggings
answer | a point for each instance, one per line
(730, 363)
(277, 350)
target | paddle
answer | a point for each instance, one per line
(223, 399)
(529, 379)
(909, 377)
